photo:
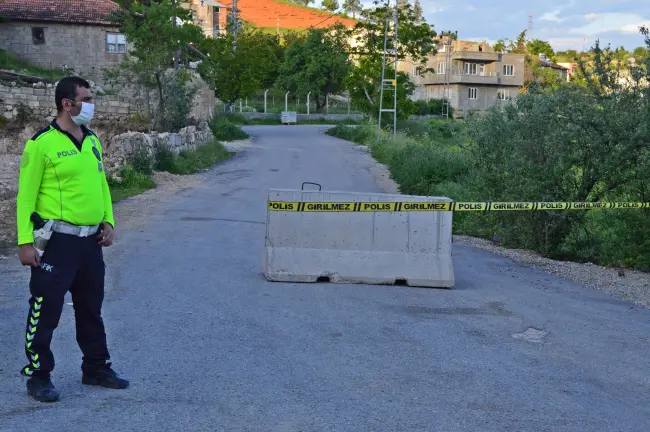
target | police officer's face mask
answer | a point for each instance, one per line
(85, 115)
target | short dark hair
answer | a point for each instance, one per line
(67, 89)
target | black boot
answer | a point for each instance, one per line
(103, 376)
(41, 389)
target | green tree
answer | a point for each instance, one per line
(352, 6)
(545, 79)
(640, 54)
(518, 46)
(238, 74)
(501, 46)
(569, 56)
(331, 5)
(154, 40)
(577, 143)
(537, 47)
(452, 34)
(416, 43)
(418, 11)
(317, 64)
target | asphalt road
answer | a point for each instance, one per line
(209, 345)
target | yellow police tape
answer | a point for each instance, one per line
(284, 206)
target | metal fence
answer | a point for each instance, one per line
(275, 101)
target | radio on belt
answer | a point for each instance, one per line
(42, 232)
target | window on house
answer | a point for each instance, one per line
(115, 43)
(38, 35)
(508, 70)
(471, 68)
(442, 68)
(216, 21)
(473, 93)
(503, 94)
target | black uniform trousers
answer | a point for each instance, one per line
(74, 264)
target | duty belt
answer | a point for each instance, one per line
(75, 230)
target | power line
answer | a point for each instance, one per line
(317, 24)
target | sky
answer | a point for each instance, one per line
(566, 24)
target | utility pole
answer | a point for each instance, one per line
(446, 91)
(530, 27)
(389, 84)
(235, 27)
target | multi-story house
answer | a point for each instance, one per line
(478, 77)
(210, 15)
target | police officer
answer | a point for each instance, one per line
(62, 179)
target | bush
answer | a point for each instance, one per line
(142, 162)
(237, 119)
(415, 128)
(191, 161)
(131, 183)
(431, 107)
(164, 158)
(360, 134)
(224, 130)
(419, 165)
(562, 146)
(179, 100)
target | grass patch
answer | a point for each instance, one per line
(360, 135)
(10, 62)
(226, 130)
(191, 161)
(421, 160)
(136, 176)
(130, 183)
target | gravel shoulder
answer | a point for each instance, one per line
(626, 285)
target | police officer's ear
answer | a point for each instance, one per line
(71, 106)
(67, 104)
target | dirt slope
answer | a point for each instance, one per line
(264, 13)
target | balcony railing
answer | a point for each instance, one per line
(488, 77)
(476, 55)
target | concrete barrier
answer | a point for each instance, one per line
(412, 248)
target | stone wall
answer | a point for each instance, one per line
(117, 151)
(80, 47)
(39, 100)
(121, 147)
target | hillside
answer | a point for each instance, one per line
(265, 13)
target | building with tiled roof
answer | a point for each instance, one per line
(76, 34)
(62, 11)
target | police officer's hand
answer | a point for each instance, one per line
(105, 237)
(29, 256)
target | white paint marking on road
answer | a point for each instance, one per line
(532, 335)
